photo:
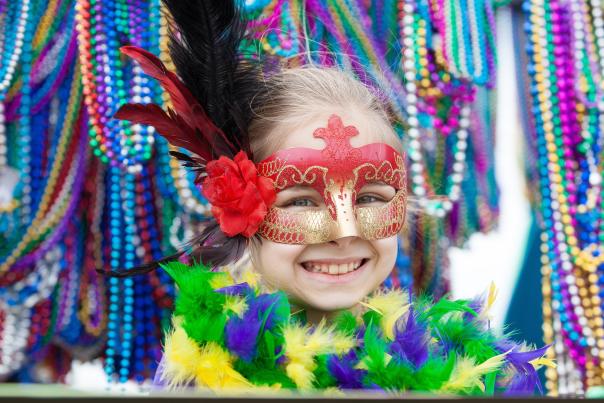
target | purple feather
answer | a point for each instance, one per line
(505, 345)
(526, 356)
(241, 335)
(241, 290)
(477, 305)
(526, 379)
(521, 385)
(342, 369)
(275, 308)
(411, 342)
(263, 313)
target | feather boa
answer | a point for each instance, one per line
(232, 336)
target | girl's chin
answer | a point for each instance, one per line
(332, 303)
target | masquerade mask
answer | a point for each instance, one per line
(338, 173)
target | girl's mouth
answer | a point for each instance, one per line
(333, 268)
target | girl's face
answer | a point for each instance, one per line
(337, 274)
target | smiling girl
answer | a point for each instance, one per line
(306, 174)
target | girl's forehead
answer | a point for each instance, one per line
(369, 131)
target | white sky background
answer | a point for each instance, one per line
(495, 257)
(498, 256)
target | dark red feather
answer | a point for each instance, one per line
(170, 125)
(185, 105)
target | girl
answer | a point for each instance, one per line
(304, 172)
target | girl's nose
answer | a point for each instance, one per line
(344, 241)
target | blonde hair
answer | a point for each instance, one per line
(295, 96)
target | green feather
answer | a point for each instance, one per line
(444, 307)
(260, 375)
(489, 383)
(346, 322)
(371, 317)
(209, 327)
(323, 379)
(433, 374)
(197, 303)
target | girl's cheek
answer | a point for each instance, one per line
(277, 261)
(386, 249)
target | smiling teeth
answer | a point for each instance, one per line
(332, 268)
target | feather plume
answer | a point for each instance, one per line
(214, 248)
(211, 102)
(168, 124)
(182, 358)
(266, 346)
(526, 378)
(344, 371)
(241, 334)
(204, 44)
(467, 375)
(236, 305)
(391, 305)
(186, 126)
(411, 341)
(302, 345)
(302, 376)
(221, 279)
(215, 369)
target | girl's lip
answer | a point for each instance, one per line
(335, 278)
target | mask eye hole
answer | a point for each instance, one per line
(299, 198)
(375, 194)
(301, 202)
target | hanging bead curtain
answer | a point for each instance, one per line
(82, 192)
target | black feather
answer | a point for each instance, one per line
(205, 41)
(195, 164)
(216, 249)
(142, 269)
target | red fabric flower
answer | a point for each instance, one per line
(240, 198)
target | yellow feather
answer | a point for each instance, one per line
(342, 343)
(466, 374)
(491, 297)
(302, 345)
(389, 319)
(548, 362)
(300, 374)
(391, 305)
(182, 358)
(235, 304)
(215, 369)
(252, 277)
(319, 340)
(221, 279)
(294, 338)
(389, 301)
(387, 358)
(362, 364)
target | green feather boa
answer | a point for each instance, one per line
(232, 336)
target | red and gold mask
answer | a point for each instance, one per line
(338, 173)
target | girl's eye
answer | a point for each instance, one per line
(370, 200)
(302, 203)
